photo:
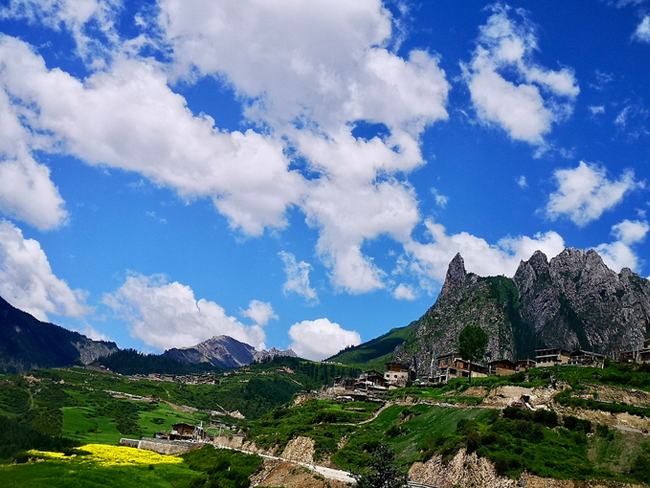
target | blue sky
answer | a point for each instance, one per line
(299, 174)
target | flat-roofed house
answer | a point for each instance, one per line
(396, 374)
(502, 367)
(454, 366)
(586, 358)
(526, 364)
(552, 357)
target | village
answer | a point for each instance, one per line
(452, 365)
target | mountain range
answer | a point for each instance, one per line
(225, 352)
(572, 301)
(28, 343)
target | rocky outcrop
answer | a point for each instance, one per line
(472, 471)
(466, 470)
(221, 351)
(469, 301)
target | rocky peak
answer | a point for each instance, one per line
(529, 272)
(456, 274)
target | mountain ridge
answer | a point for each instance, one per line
(28, 343)
(224, 351)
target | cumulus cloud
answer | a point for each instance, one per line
(260, 312)
(630, 232)
(319, 339)
(642, 33)
(431, 259)
(165, 315)
(129, 118)
(522, 182)
(404, 292)
(305, 73)
(297, 277)
(28, 282)
(585, 192)
(526, 106)
(26, 191)
(620, 253)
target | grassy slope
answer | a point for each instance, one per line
(375, 353)
(415, 431)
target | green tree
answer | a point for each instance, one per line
(472, 344)
(381, 471)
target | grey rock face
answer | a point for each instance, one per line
(577, 301)
(456, 275)
(272, 353)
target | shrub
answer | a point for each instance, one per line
(576, 424)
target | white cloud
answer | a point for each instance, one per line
(129, 118)
(297, 277)
(27, 280)
(585, 192)
(596, 110)
(526, 107)
(620, 253)
(165, 315)
(522, 182)
(431, 260)
(322, 61)
(404, 292)
(621, 118)
(319, 339)
(74, 15)
(260, 312)
(642, 32)
(26, 191)
(303, 70)
(441, 200)
(630, 232)
(347, 214)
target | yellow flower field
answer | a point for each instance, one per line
(107, 456)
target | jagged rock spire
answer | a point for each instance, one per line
(456, 274)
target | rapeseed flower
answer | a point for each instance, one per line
(107, 456)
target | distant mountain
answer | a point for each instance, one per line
(27, 343)
(224, 352)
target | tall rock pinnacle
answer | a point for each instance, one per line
(456, 274)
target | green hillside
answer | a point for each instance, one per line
(574, 435)
(375, 353)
